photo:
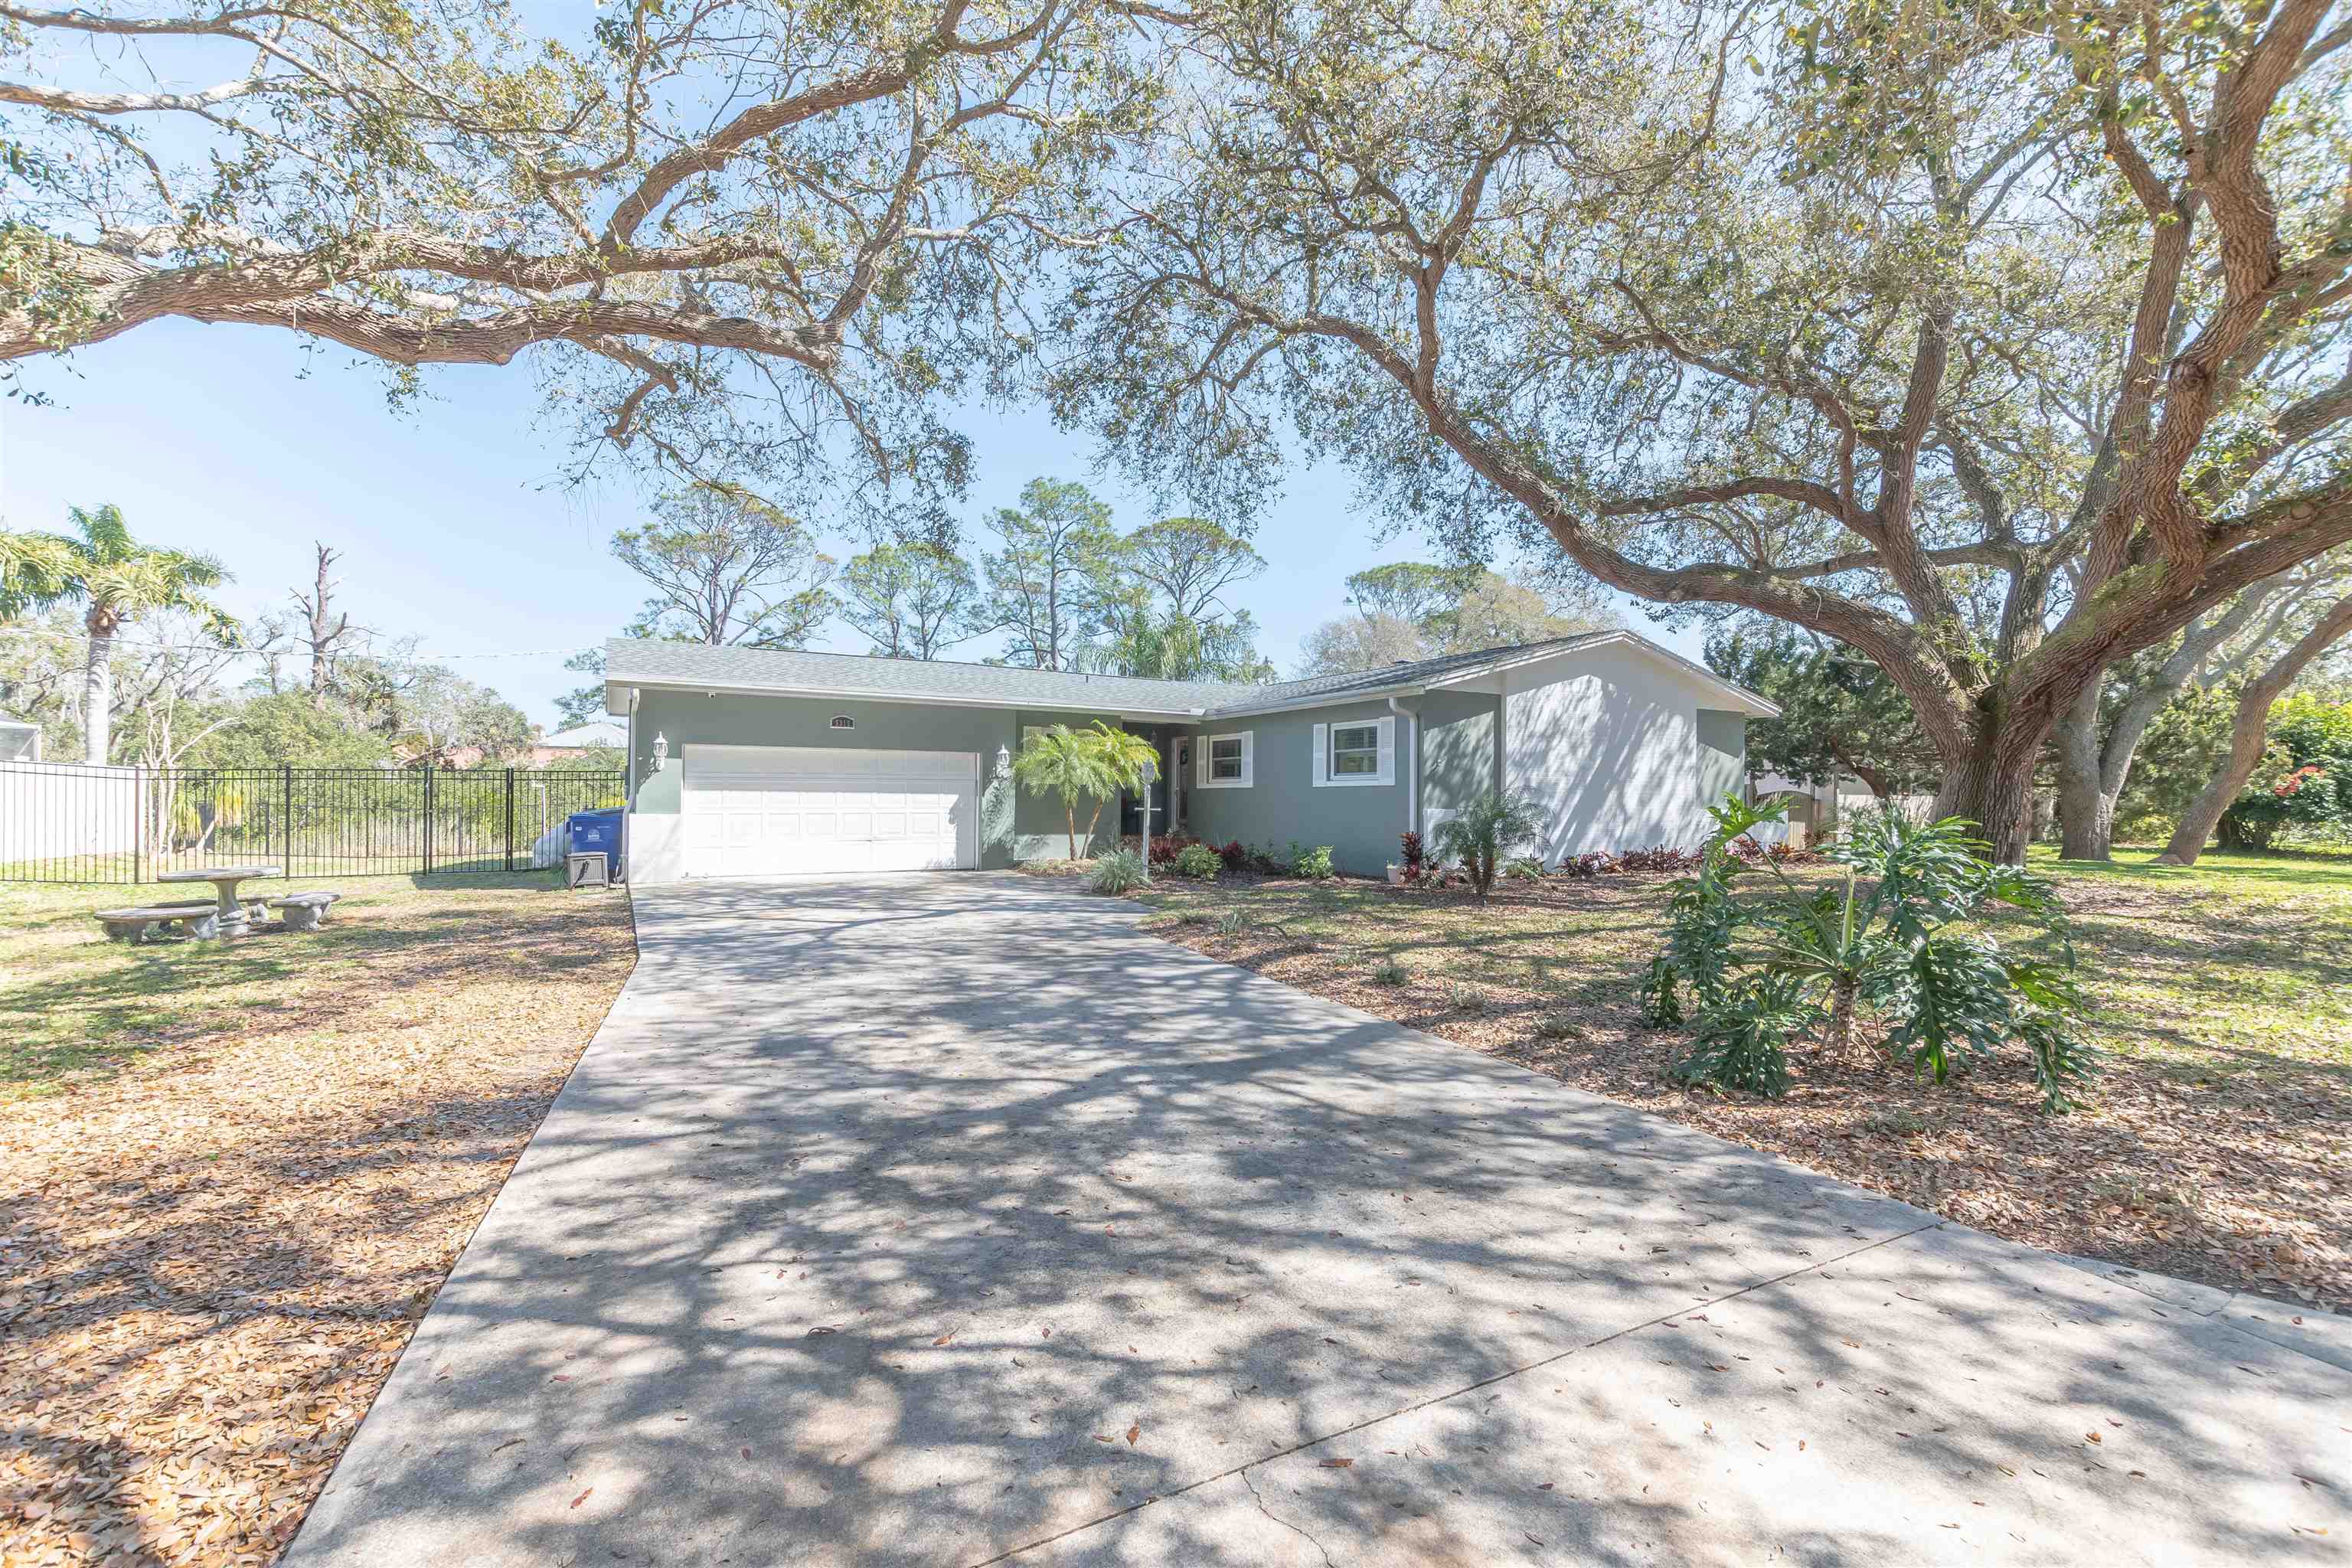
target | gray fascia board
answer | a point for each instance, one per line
(1319, 699)
(919, 699)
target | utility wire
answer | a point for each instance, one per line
(59, 635)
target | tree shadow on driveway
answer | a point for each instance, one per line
(947, 1219)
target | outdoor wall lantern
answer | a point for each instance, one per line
(1004, 761)
(661, 751)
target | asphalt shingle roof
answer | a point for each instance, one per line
(1410, 672)
(679, 663)
(628, 661)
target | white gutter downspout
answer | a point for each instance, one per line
(1412, 761)
(628, 782)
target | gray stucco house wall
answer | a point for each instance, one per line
(1722, 755)
(1445, 758)
(1282, 804)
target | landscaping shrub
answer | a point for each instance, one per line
(1389, 972)
(1236, 857)
(1415, 857)
(1195, 918)
(1524, 869)
(1266, 862)
(1314, 864)
(1165, 851)
(1558, 1027)
(1199, 862)
(1798, 962)
(1659, 857)
(1742, 1042)
(1116, 872)
(1463, 998)
(1590, 864)
(1231, 923)
(1480, 834)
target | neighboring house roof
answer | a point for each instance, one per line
(580, 737)
(699, 666)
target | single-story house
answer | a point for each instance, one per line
(748, 762)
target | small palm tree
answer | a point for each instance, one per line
(119, 579)
(1068, 763)
(1483, 833)
(1123, 757)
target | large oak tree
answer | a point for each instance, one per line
(746, 240)
(1998, 342)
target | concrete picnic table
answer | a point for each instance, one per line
(234, 920)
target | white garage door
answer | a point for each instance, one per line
(751, 810)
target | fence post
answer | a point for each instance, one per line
(509, 819)
(428, 817)
(139, 824)
(285, 798)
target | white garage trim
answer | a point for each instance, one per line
(770, 810)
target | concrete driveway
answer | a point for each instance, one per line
(947, 1220)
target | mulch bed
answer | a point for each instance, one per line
(210, 1262)
(2234, 1179)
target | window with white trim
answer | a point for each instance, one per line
(1353, 754)
(1355, 749)
(1227, 761)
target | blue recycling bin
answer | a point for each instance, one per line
(595, 831)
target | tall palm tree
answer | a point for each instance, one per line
(119, 579)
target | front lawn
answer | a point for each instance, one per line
(233, 1175)
(2213, 1147)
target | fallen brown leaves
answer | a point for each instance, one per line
(2213, 1147)
(212, 1259)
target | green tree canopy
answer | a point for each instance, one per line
(750, 239)
(1047, 587)
(911, 600)
(727, 569)
(1838, 711)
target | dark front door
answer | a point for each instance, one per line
(1130, 818)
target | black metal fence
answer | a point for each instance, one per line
(67, 823)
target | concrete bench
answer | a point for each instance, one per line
(304, 911)
(200, 920)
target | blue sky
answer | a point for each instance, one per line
(237, 441)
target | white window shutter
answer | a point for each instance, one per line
(1249, 757)
(1200, 749)
(1319, 769)
(1388, 751)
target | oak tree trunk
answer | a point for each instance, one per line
(2086, 810)
(1993, 788)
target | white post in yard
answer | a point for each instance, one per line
(1143, 816)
